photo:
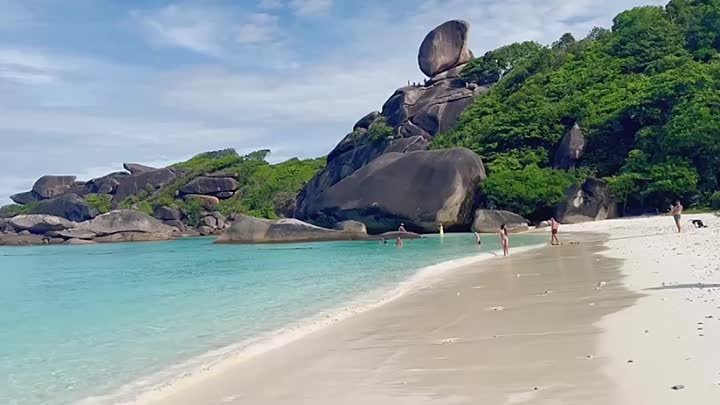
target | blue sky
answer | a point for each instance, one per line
(86, 85)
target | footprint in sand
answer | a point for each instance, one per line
(448, 341)
(498, 308)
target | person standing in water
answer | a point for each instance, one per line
(399, 242)
(441, 229)
(504, 239)
(554, 229)
(677, 215)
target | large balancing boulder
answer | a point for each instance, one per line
(39, 223)
(420, 189)
(489, 221)
(590, 201)
(444, 48)
(130, 222)
(53, 186)
(246, 229)
(69, 206)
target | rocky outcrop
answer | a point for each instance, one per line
(415, 114)
(246, 229)
(420, 189)
(106, 184)
(21, 240)
(52, 186)
(148, 181)
(137, 168)
(571, 149)
(444, 48)
(39, 223)
(78, 242)
(164, 213)
(489, 221)
(428, 110)
(26, 197)
(216, 186)
(352, 227)
(72, 234)
(129, 222)
(68, 206)
(590, 201)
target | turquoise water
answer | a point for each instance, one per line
(82, 321)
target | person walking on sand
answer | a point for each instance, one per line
(402, 228)
(554, 229)
(504, 239)
(677, 215)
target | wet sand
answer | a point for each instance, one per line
(510, 330)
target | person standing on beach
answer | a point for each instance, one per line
(554, 229)
(504, 239)
(677, 215)
(402, 228)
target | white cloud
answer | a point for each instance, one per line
(307, 8)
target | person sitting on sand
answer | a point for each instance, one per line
(677, 215)
(504, 239)
(402, 228)
(477, 238)
(554, 229)
(399, 242)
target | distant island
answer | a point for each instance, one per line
(621, 122)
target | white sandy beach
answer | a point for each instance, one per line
(672, 333)
(619, 318)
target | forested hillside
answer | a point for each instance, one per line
(646, 94)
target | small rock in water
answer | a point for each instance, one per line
(678, 387)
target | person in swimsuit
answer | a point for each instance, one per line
(477, 238)
(504, 239)
(399, 242)
(554, 229)
(677, 215)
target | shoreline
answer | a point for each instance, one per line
(217, 361)
(351, 359)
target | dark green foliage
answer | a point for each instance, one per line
(100, 202)
(11, 210)
(264, 186)
(379, 131)
(529, 190)
(493, 66)
(651, 85)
